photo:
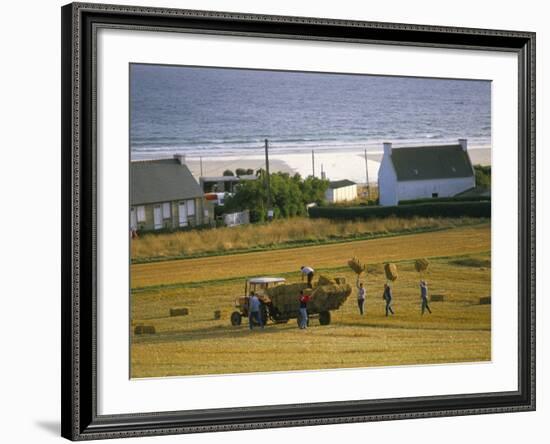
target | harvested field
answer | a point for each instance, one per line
(459, 330)
(453, 242)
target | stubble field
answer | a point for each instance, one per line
(459, 330)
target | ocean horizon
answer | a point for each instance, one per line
(222, 112)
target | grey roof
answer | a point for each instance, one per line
(340, 183)
(431, 162)
(228, 178)
(163, 180)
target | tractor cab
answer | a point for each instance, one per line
(258, 286)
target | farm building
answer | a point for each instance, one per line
(341, 191)
(424, 172)
(223, 184)
(164, 194)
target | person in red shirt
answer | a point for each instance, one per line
(304, 299)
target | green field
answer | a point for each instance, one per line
(459, 330)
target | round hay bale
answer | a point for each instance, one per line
(356, 265)
(391, 271)
(421, 265)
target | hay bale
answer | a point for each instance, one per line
(217, 314)
(437, 297)
(324, 280)
(421, 265)
(286, 297)
(329, 297)
(340, 280)
(356, 265)
(485, 300)
(391, 271)
(179, 311)
(144, 330)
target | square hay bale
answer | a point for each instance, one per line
(356, 265)
(485, 300)
(217, 314)
(437, 297)
(325, 280)
(391, 271)
(179, 311)
(421, 265)
(144, 330)
(340, 280)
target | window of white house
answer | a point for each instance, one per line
(141, 214)
(190, 207)
(166, 210)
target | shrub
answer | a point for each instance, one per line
(445, 199)
(432, 209)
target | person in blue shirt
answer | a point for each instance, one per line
(424, 297)
(388, 297)
(254, 311)
(361, 295)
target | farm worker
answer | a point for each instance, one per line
(254, 311)
(309, 272)
(424, 296)
(304, 299)
(361, 294)
(387, 296)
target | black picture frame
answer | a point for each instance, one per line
(79, 171)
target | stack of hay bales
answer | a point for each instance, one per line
(421, 265)
(329, 297)
(286, 297)
(391, 271)
(356, 265)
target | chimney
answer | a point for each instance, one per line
(387, 148)
(463, 143)
(180, 158)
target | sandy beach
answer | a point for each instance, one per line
(336, 165)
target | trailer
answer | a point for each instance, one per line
(280, 301)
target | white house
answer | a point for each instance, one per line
(340, 191)
(424, 171)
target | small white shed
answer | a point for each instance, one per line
(341, 190)
(424, 172)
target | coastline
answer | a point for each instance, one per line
(337, 165)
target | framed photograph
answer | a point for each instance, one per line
(281, 221)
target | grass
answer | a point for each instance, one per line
(459, 330)
(280, 233)
(453, 242)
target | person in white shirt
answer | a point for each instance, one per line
(361, 296)
(309, 272)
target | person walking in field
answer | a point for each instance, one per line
(304, 299)
(388, 297)
(361, 295)
(254, 313)
(424, 297)
(309, 272)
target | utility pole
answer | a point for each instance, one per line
(313, 162)
(367, 171)
(267, 180)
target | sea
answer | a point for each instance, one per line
(220, 112)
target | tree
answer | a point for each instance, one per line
(289, 195)
(483, 176)
(228, 173)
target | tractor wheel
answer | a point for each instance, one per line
(324, 318)
(236, 318)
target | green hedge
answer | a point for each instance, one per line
(446, 199)
(432, 209)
